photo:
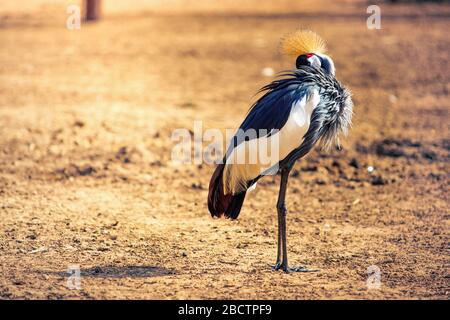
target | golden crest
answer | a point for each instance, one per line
(301, 42)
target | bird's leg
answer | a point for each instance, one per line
(281, 212)
(277, 265)
(281, 208)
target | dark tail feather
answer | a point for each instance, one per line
(234, 208)
(219, 203)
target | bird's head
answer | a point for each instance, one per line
(316, 60)
(309, 50)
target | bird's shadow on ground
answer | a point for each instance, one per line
(114, 272)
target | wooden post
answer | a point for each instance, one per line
(92, 9)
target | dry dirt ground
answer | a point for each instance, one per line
(86, 118)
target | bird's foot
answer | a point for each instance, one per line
(280, 266)
(277, 266)
(299, 269)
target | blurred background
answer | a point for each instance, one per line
(86, 117)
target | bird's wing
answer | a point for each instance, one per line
(271, 111)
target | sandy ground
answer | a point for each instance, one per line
(86, 118)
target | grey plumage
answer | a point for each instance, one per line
(332, 116)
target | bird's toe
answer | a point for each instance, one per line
(300, 269)
(277, 266)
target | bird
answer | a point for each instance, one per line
(301, 109)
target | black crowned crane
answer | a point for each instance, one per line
(304, 108)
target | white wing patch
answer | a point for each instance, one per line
(288, 138)
(291, 135)
(302, 109)
(298, 112)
